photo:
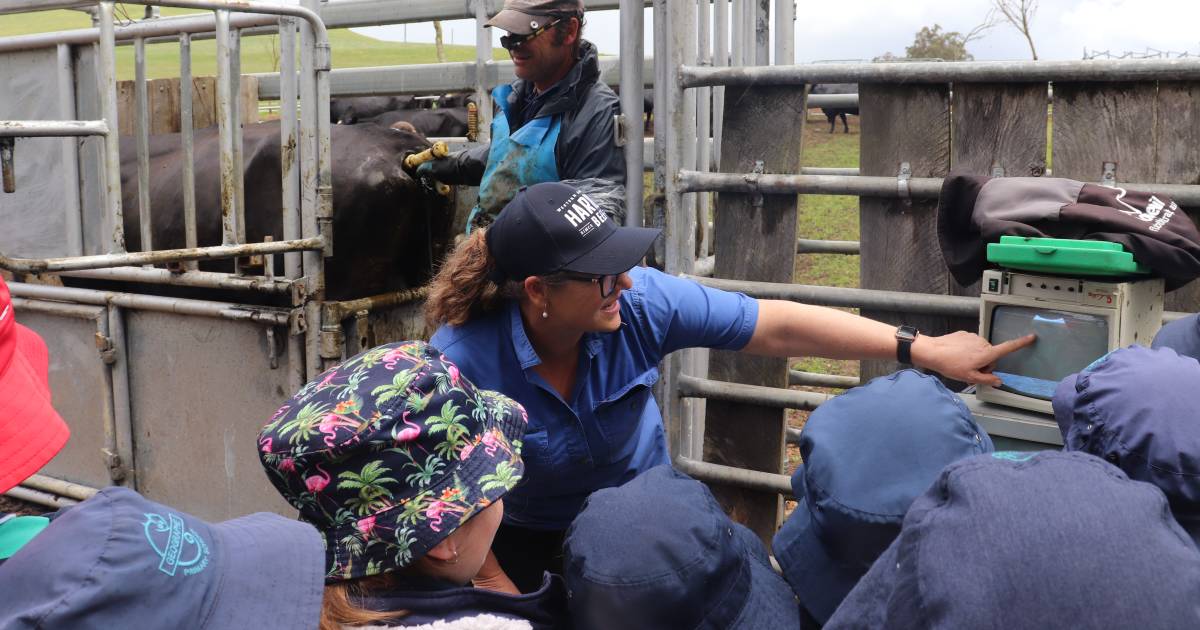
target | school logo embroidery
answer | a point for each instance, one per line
(177, 546)
(1156, 210)
(1013, 456)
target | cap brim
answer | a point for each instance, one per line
(273, 577)
(31, 431)
(867, 603)
(771, 604)
(620, 252)
(519, 23)
(820, 582)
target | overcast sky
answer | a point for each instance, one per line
(862, 29)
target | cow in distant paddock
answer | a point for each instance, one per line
(385, 224)
(832, 113)
(348, 110)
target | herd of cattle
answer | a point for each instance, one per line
(392, 224)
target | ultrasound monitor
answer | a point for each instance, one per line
(1076, 320)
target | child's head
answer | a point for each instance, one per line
(1137, 408)
(398, 461)
(32, 430)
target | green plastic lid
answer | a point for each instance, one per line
(1064, 256)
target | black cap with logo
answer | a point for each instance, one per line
(551, 227)
(522, 17)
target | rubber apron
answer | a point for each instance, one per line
(516, 159)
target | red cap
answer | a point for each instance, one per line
(31, 432)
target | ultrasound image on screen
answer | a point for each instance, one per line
(1066, 343)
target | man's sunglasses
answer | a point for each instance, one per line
(510, 42)
(607, 284)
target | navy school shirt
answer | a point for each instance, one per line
(612, 430)
(429, 600)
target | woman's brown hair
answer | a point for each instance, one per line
(462, 290)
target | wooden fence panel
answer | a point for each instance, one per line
(1148, 129)
(1177, 139)
(996, 126)
(755, 240)
(164, 104)
(903, 123)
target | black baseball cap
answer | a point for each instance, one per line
(552, 227)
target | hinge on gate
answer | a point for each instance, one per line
(997, 170)
(105, 345)
(1109, 176)
(117, 471)
(6, 164)
(902, 181)
(297, 323)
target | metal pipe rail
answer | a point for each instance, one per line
(741, 477)
(42, 265)
(867, 186)
(62, 488)
(874, 299)
(694, 387)
(937, 72)
(199, 308)
(152, 31)
(52, 128)
(813, 379)
(202, 279)
(843, 101)
(810, 246)
(38, 497)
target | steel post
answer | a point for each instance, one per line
(125, 467)
(632, 104)
(186, 138)
(235, 125)
(720, 59)
(704, 123)
(141, 125)
(70, 151)
(225, 133)
(785, 32)
(106, 65)
(290, 156)
(737, 49)
(483, 57)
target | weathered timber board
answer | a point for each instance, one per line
(902, 123)
(754, 242)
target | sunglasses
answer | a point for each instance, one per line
(510, 42)
(607, 284)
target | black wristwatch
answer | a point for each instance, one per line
(905, 336)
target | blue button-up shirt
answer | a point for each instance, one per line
(610, 430)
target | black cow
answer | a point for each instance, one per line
(832, 113)
(351, 109)
(443, 122)
(384, 223)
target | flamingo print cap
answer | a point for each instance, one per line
(31, 432)
(390, 452)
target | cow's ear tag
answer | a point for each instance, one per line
(534, 25)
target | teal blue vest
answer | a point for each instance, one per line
(516, 159)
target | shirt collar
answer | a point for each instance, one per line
(526, 355)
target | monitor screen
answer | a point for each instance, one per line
(1067, 342)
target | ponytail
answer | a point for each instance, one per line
(462, 290)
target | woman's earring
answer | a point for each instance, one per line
(545, 315)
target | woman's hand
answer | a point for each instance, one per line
(964, 356)
(493, 578)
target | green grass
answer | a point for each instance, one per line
(259, 53)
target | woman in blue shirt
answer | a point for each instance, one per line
(548, 307)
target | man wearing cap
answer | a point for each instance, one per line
(556, 122)
(119, 559)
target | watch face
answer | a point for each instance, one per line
(906, 332)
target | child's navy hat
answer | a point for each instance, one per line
(1032, 540)
(868, 454)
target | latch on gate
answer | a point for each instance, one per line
(105, 345)
(619, 131)
(6, 163)
(756, 197)
(1109, 176)
(902, 181)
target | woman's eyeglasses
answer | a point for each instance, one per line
(510, 42)
(607, 284)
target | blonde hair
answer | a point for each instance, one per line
(339, 609)
(462, 290)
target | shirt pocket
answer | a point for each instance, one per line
(619, 416)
